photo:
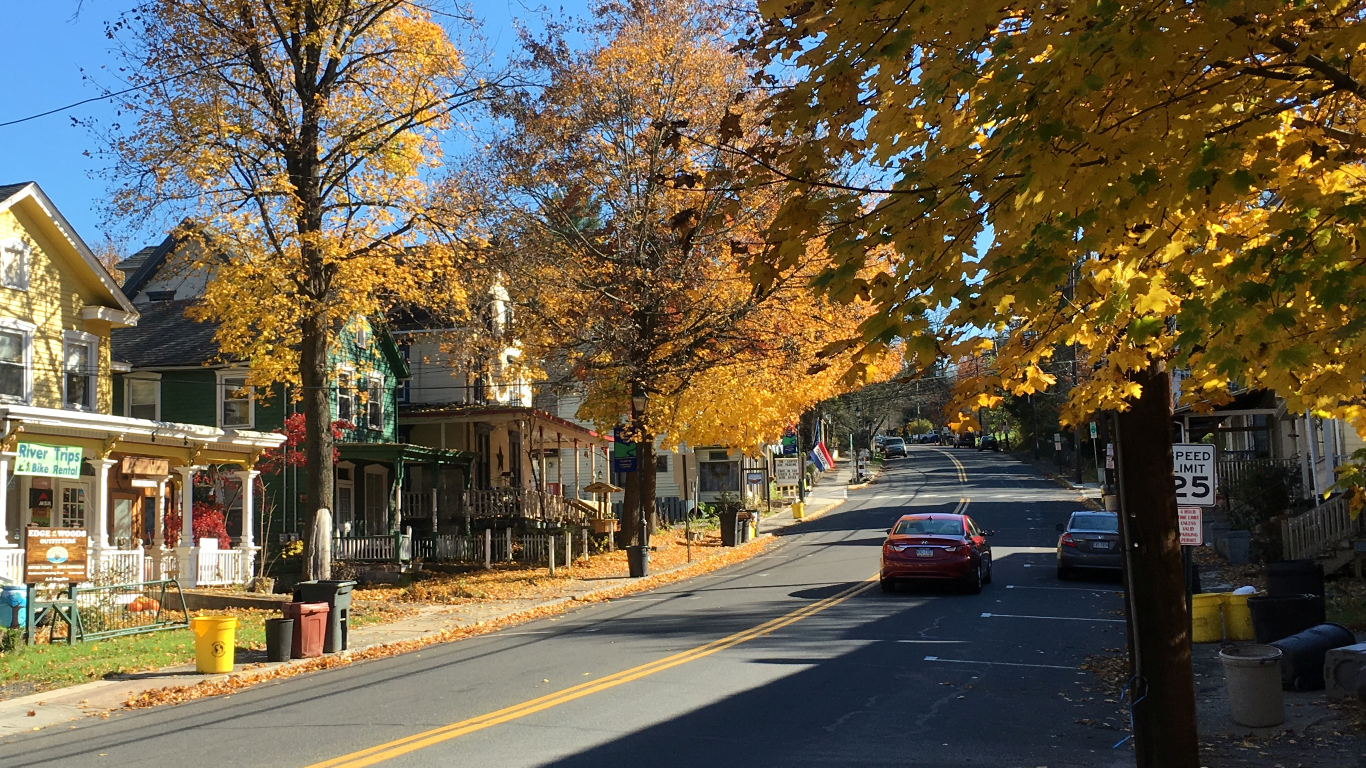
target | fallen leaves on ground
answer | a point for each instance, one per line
(718, 558)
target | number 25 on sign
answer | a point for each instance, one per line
(1193, 466)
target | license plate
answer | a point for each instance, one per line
(924, 552)
(1102, 544)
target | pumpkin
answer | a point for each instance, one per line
(141, 604)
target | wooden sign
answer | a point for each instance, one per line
(145, 465)
(56, 556)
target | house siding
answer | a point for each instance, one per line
(53, 303)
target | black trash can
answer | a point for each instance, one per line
(1303, 654)
(1279, 616)
(730, 527)
(745, 528)
(638, 561)
(279, 635)
(1298, 577)
(337, 595)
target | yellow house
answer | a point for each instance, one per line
(58, 304)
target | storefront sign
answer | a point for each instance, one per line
(787, 471)
(55, 556)
(142, 482)
(146, 465)
(48, 460)
(754, 476)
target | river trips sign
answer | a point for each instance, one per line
(48, 460)
(55, 556)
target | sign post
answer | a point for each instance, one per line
(1193, 465)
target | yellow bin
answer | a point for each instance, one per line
(1237, 617)
(214, 643)
(1207, 625)
(798, 510)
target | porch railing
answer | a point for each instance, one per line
(118, 566)
(1315, 531)
(220, 567)
(1233, 472)
(522, 503)
(12, 565)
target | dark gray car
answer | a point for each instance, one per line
(1089, 540)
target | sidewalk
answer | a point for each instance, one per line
(432, 623)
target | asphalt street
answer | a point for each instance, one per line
(791, 658)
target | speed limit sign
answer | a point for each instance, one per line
(1194, 470)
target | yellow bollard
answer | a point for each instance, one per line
(1237, 617)
(798, 510)
(214, 643)
(1207, 625)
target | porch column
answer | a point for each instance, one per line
(540, 434)
(5, 543)
(99, 532)
(159, 529)
(576, 468)
(247, 477)
(187, 551)
(438, 478)
(559, 465)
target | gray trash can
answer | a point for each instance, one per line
(1253, 677)
(337, 595)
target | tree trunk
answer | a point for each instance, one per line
(647, 486)
(318, 443)
(1158, 621)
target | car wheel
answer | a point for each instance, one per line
(987, 580)
(975, 580)
(887, 585)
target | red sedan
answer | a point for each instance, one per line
(936, 546)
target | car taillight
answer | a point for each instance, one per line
(897, 547)
(952, 549)
(1067, 540)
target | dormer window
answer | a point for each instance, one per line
(14, 264)
(161, 295)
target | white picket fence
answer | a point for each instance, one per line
(12, 566)
(118, 566)
(220, 567)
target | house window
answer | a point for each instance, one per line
(14, 264)
(16, 355)
(374, 404)
(73, 506)
(142, 398)
(362, 335)
(662, 464)
(345, 397)
(237, 402)
(405, 385)
(81, 365)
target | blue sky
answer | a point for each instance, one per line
(49, 49)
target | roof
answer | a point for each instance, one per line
(136, 260)
(152, 262)
(165, 337)
(12, 194)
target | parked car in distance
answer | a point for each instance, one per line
(965, 440)
(894, 446)
(930, 438)
(878, 440)
(936, 546)
(1089, 540)
(988, 443)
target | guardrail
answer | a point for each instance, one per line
(96, 612)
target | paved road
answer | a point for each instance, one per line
(793, 658)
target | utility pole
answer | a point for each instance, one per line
(1162, 689)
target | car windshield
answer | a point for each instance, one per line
(929, 527)
(1095, 522)
(896, 441)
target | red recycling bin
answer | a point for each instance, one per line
(310, 629)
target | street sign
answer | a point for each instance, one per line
(1057, 442)
(790, 444)
(55, 556)
(1192, 531)
(1193, 464)
(48, 460)
(1093, 430)
(623, 453)
(787, 471)
(754, 476)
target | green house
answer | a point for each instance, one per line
(169, 368)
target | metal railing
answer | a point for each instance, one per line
(1321, 528)
(127, 609)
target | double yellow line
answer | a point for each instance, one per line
(962, 508)
(398, 747)
(958, 465)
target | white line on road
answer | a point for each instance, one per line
(1002, 664)
(1050, 618)
(1068, 589)
(934, 642)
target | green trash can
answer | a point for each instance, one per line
(337, 595)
